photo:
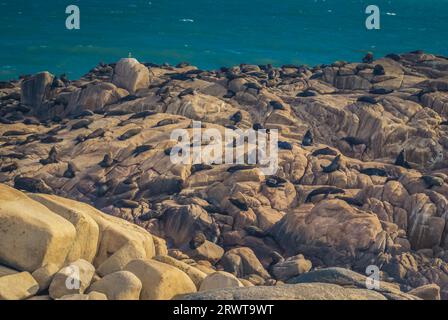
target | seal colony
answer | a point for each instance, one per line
(361, 181)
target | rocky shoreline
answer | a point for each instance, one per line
(86, 183)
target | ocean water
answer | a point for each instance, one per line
(211, 33)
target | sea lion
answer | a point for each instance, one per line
(378, 70)
(107, 161)
(56, 130)
(239, 204)
(241, 167)
(32, 185)
(141, 149)
(10, 168)
(308, 139)
(83, 114)
(334, 165)
(324, 152)
(166, 122)
(129, 134)
(31, 122)
(186, 92)
(374, 172)
(432, 181)
(237, 117)
(81, 124)
(52, 157)
(51, 139)
(142, 115)
(354, 141)
(284, 145)
(323, 190)
(275, 182)
(200, 167)
(307, 93)
(14, 133)
(70, 172)
(350, 201)
(276, 105)
(254, 231)
(381, 91)
(98, 133)
(129, 204)
(116, 113)
(198, 240)
(401, 160)
(367, 99)
(18, 156)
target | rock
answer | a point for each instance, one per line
(44, 276)
(196, 275)
(36, 90)
(73, 279)
(160, 281)
(305, 291)
(243, 262)
(131, 75)
(220, 280)
(5, 271)
(28, 226)
(291, 267)
(90, 296)
(427, 292)
(121, 285)
(207, 251)
(119, 241)
(18, 286)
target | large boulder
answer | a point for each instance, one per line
(243, 262)
(31, 235)
(291, 267)
(80, 297)
(196, 275)
(73, 279)
(18, 286)
(121, 285)
(131, 75)
(160, 280)
(119, 241)
(220, 280)
(36, 89)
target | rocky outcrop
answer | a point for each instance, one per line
(361, 180)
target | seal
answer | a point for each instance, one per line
(141, 149)
(152, 214)
(374, 172)
(367, 99)
(187, 92)
(70, 172)
(31, 122)
(239, 204)
(142, 115)
(254, 231)
(432, 181)
(129, 134)
(50, 139)
(307, 139)
(381, 91)
(52, 157)
(32, 185)
(83, 114)
(401, 160)
(284, 145)
(241, 167)
(19, 156)
(98, 133)
(334, 165)
(107, 161)
(166, 122)
(128, 204)
(81, 124)
(351, 201)
(56, 130)
(324, 152)
(325, 191)
(275, 182)
(200, 167)
(10, 168)
(276, 105)
(237, 117)
(354, 141)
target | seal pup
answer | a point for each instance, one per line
(367, 99)
(141, 149)
(284, 145)
(50, 139)
(308, 139)
(52, 157)
(200, 167)
(276, 105)
(187, 92)
(275, 182)
(323, 191)
(374, 172)
(241, 167)
(81, 124)
(401, 160)
(335, 165)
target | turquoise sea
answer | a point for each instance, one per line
(211, 33)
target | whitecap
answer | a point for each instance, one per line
(391, 13)
(186, 20)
